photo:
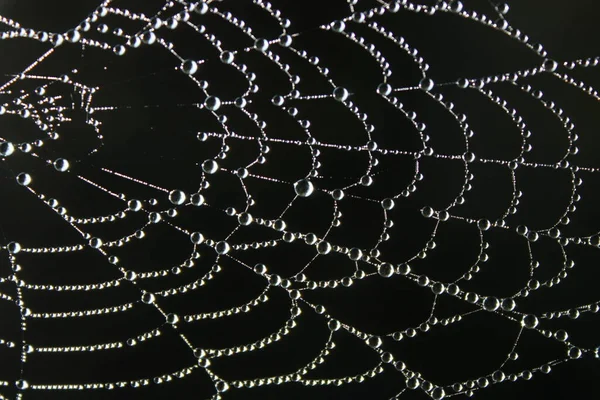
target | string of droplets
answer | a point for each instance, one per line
(49, 113)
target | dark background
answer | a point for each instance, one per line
(152, 136)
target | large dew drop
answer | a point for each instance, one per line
(304, 188)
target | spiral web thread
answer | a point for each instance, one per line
(50, 112)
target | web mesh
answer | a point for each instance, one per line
(161, 149)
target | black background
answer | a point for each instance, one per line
(152, 137)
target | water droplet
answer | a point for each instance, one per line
(388, 204)
(245, 219)
(61, 165)
(404, 269)
(73, 36)
(21, 384)
(148, 298)
(427, 212)
(468, 157)
(148, 37)
(384, 89)
(130, 275)
(96, 243)
(212, 103)
(197, 238)
(14, 247)
(484, 224)
(222, 247)
(261, 45)
(200, 7)
(338, 26)
(355, 254)
(304, 188)
(285, 40)
(374, 342)
(550, 65)
(438, 393)
(197, 199)
(561, 335)
(6, 149)
(260, 269)
(134, 205)
(522, 230)
(334, 325)
(119, 50)
(189, 67)
(491, 303)
(210, 166)
(337, 194)
(323, 247)
(154, 217)
(574, 353)
(24, 179)
(221, 386)
(498, 376)
(340, 94)
(227, 57)
(413, 383)
(386, 270)
(529, 321)
(177, 197)
(426, 84)
(172, 319)
(508, 304)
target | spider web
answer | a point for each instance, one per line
(172, 147)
